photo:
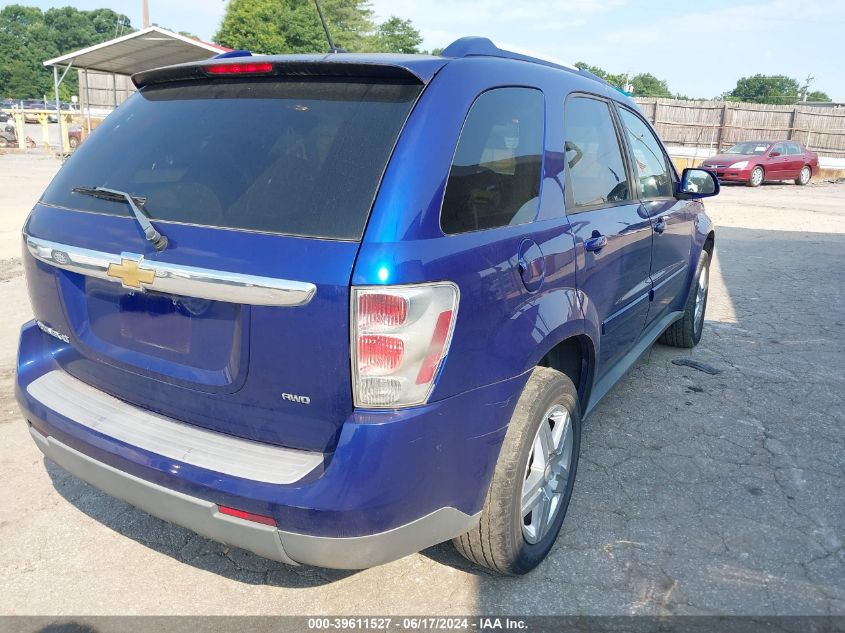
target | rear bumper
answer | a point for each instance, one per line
(398, 481)
(204, 518)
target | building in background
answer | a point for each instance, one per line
(105, 69)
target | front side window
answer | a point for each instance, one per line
(653, 173)
(779, 148)
(595, 170)
(495, 175)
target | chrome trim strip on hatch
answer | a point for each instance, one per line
(136, 273)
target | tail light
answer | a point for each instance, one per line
(401, 335)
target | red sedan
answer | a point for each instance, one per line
(754, 162)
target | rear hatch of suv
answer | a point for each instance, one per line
(262, 187)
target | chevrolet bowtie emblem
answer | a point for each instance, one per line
(130, 273)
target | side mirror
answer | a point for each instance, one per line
(697, 183)
(773, 154)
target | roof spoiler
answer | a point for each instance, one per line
(321, 66)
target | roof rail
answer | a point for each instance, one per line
(484, 47)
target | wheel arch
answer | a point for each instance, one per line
(710, 243)
(574, 356)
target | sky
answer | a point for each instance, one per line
(700, 48)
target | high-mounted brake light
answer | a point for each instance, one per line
(401, 335)
(245, 68)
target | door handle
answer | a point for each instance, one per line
(660, 225)
(595, 243)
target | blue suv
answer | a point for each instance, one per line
(337, 309)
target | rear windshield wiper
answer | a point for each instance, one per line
(158, 240)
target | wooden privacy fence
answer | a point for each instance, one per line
(720, 124)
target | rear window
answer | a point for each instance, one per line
(296, 158)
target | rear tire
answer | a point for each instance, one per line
(686, 332)
(532, 484)
(805, 176)
(757, 177)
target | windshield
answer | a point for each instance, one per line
(749, 147)
(290, 157)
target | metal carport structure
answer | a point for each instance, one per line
(142, 50)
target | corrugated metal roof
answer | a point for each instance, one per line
(138, 51)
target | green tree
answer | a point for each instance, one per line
(293, 26)
(252, 25)
(818, 95)
(396, 35)
(777, 89)
(647, 85)
(643, 84)
(615, 80)
(29, 36)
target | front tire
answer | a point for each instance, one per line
(805, 176)
(757, 176)
(686, 331)
(532, 484)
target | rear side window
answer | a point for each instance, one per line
(495, 175)
(289, 157)
(793, 149)
(595, 170)
(653, 173)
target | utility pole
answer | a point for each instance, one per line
(145, 13)
(805, 89)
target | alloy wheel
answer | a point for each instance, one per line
(701, 297)
(547, 474)
(805, 175)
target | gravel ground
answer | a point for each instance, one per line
(697, 493)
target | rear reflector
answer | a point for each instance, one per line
(435, 348)
(248, 68)
(248, 516)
